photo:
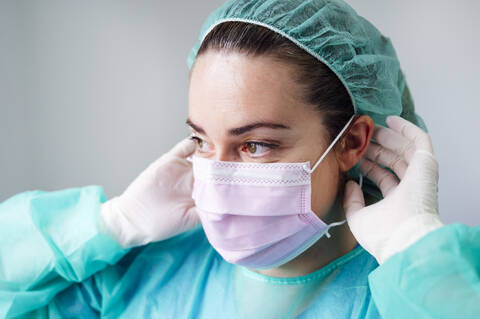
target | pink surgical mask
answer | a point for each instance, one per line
(258, 215)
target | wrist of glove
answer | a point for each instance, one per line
(407, 233)
(114, 221)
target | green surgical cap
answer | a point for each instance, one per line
(362, 58)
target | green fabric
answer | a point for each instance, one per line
(294, 295)
(55, 263)
(59, 265)
(437, 277)
(362, 58)
(48, 241)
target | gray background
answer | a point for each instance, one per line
(91, 92)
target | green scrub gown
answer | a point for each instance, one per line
(55, 263)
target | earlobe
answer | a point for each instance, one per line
(355, 142)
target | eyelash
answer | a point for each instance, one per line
(268, 145)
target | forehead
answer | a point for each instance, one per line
(234, 88)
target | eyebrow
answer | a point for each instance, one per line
(241, 130)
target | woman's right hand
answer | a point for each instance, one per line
(157, 205)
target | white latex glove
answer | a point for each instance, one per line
(409, 209)
(157, 205)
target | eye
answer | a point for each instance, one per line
(201, 143)
(257, 149)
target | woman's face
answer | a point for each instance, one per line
(248, 109)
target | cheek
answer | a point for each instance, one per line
(325, 181)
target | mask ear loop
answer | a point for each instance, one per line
(360, 182)
(333, 225)
(329, 147)
(320, 160)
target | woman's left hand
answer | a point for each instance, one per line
(409, 209)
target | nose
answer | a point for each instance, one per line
(225, 155)
(225, 152)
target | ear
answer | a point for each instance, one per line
(355, 142)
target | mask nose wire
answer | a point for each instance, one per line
(330, 147)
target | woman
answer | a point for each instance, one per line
(284, 98)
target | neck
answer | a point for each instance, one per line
(324, 251)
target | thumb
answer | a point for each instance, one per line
(353, 200)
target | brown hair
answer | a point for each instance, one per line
(321, 87)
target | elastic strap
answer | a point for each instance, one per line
(333, 225)
(343, 221)
(331, 145)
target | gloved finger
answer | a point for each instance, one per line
(184, 148)
(388, 158)
(353, 199)
(412, 132)
(394, 141)
(385, 180)
(181, 151)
